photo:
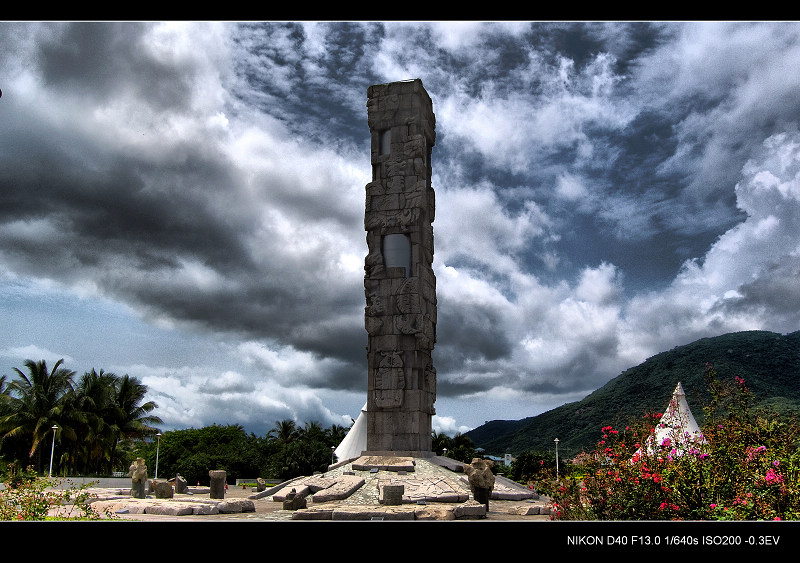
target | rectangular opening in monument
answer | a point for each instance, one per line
(385, 141)
(397, 252)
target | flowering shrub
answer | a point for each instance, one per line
(25, 496)
(746, 466)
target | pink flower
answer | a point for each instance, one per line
(772, 477)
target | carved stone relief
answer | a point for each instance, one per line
(389, 380)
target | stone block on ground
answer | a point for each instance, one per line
(317, 483)
(217, 479)
(525, 510)
(499, 493)
(391, 494)
(506, 489)
(133, 509)
(372, 513)
(169, 509)
(181, 487)
(345, 486)
(299, 490)
(205, 509)
(386, 463)
(446, 462)
(313, 514)
(162, 488)
(236, 505)
(293, 501)
(470, 510)
(434, 512)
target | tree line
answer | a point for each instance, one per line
(93, 420)
(287, 450)
(104, 423)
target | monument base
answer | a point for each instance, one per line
(378, 453)
(390, 461)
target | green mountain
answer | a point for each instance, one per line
(768, 362)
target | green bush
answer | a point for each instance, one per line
(26, 496)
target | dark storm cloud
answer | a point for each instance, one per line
(604, 191)
(100, 60)
(132, 222)
(473, 333)
(776, 290)
(312, 77)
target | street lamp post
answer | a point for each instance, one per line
(556, 441)
(158, 443)
(53, 449)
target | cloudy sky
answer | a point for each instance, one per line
(183, 202)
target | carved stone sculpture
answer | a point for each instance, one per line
(217, 486)
(162, 488)
(180, 484)
(481, 479)
(399, 283)
(138, 474)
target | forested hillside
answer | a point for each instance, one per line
(769, 363)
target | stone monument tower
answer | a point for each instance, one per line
(399, 284)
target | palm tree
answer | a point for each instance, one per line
(37, 402)
(284, 431)
(3, 395)
(312, 431)
(336, 434)
(130, 418)
(93, 410)
(463, 448)
(441, 442)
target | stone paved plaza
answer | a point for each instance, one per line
(432, 492)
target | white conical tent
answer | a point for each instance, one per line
(355, 441)
(677, 425)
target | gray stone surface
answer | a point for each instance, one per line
(431, 492)
(341, 489)
(386, 463)
(424, 488)
(176, 506)
(162, 488)
(235, 505)
(297, 488)
(217, 483)
(399, 283)
(180, 484)
(391, 495)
